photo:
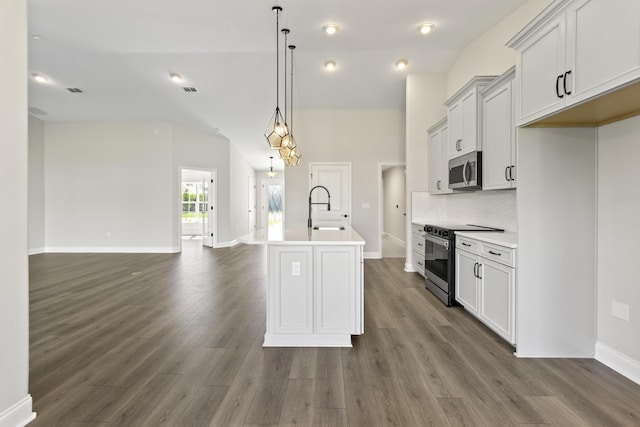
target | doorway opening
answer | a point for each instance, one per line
(197, 205)
(392, 210)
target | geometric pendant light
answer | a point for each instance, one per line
(277, 128)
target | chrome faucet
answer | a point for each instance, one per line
(309, 224)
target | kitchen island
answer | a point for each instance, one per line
(315, 286)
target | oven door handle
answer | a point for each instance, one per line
(437, 240)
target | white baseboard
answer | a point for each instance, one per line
(18, 415)
(395, 239)
(619, 362)
(409, 268)
(226, 244)
(114, 249)
(373, 255)
(36, 251)
(307, 340)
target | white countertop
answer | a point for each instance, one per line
(302, 236)
(507, 238)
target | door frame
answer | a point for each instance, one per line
(382, 165)
(251, 181)
(213, 201)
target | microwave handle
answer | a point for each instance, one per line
(464, 173)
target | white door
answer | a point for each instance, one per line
(335, 177)
(252, 204)
(272, 203)
(208, 190)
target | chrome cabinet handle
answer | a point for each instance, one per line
(479, 276)
(506, 173)
(466, 244)
(475, 269)
(511, 178)
(438, 186)
(420, 244)
(464, 173)
(459, 145)
(495, 253)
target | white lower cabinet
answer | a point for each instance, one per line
(417, 247)
(485, 284)
(316, 295)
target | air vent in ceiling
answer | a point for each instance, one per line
(190, 89)
(75, 90)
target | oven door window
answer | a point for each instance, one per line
(436, 259)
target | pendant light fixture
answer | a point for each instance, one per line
(277, 128)
(291, 154)
(271, 173)
(287, 142)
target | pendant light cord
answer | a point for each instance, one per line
(285, 32)
(291, 47)
(277, 10)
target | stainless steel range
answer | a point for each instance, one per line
(440, 257)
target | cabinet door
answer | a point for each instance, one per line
(541, 66)
(336, 281)
(469, 122)
(455, 123)
(603, 45)
(435, 162)
(290, 290)
(497, 298)
(498, 132)
(444, 162)
(466, 281)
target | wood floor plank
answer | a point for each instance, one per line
(297, 409)
(176, 339)
(329, 379)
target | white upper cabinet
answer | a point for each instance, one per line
(603, 45)
(573, 51)
(498, 134)
(463, 115)
(438, 158)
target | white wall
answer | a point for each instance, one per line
(488, 55)
(362, 137)
(556, 297)
(618, 236)
(107, 187)
(198, 150)
(15, 402)
(240, 171)
(36, 186)
(394, 198)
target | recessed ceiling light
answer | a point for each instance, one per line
(401, 64)
(331, 29)
(40, 78)
(176, 77)
(426, 28)
(330, 65)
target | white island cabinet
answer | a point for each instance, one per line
(315, 288)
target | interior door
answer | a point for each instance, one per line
(208, 209)
(336, 177)
(252, 204)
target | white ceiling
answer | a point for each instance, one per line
(121, 52)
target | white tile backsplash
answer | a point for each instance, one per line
(496, 208)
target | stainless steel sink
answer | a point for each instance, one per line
(328, 227)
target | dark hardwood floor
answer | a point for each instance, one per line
(176, 339)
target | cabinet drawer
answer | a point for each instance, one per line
(498, 253)
(467, 244)
(418, 262)
(417, 229)
(417, 244)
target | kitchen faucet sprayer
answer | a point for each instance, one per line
(309, 224)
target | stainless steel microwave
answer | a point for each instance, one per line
(465, 172)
